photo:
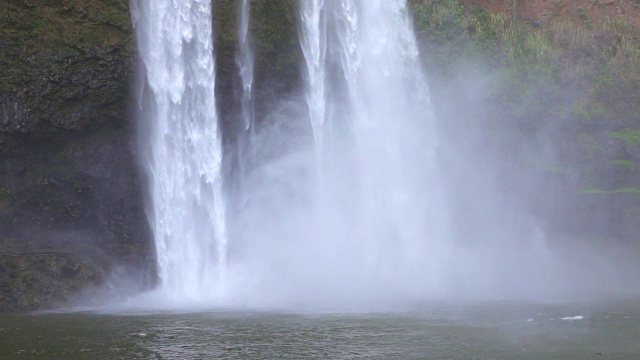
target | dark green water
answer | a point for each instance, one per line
(480, 331)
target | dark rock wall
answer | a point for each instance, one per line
(273, 35)
(70, 191)
(64, 64)
(34, 281)
(274, 40)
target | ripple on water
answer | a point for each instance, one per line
(485, 332)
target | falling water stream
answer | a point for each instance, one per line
(182, 150)
(369, 103)
(244, 60)
(374, 206)
(313, 38)
(245, 65)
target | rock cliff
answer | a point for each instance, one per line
(71, 209)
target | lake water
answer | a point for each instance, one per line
(496, 330)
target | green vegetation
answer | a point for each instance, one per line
(628, 136)
(627, 164)
(5, 194)
(53, 55)
(568, 54)
(558, 89)
(565, 69)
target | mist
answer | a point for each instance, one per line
(374, 185)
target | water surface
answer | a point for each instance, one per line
(439, 331)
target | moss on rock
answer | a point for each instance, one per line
(70, 188)
(39, 281)
(65, 64)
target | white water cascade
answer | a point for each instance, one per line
(338, 200)
(360, 201)
(245, 64)
(375, 133)
(313, 39)
(181, 144)
(344, 205)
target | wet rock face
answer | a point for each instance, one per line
(63, 63)
(273, 34)
(34, 281)
(69, 184)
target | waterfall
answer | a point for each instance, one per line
(181, 144)
(375, 130)
(313, 39)
(360, 200)
(245, 65)
(244, 61)
(338, 196)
